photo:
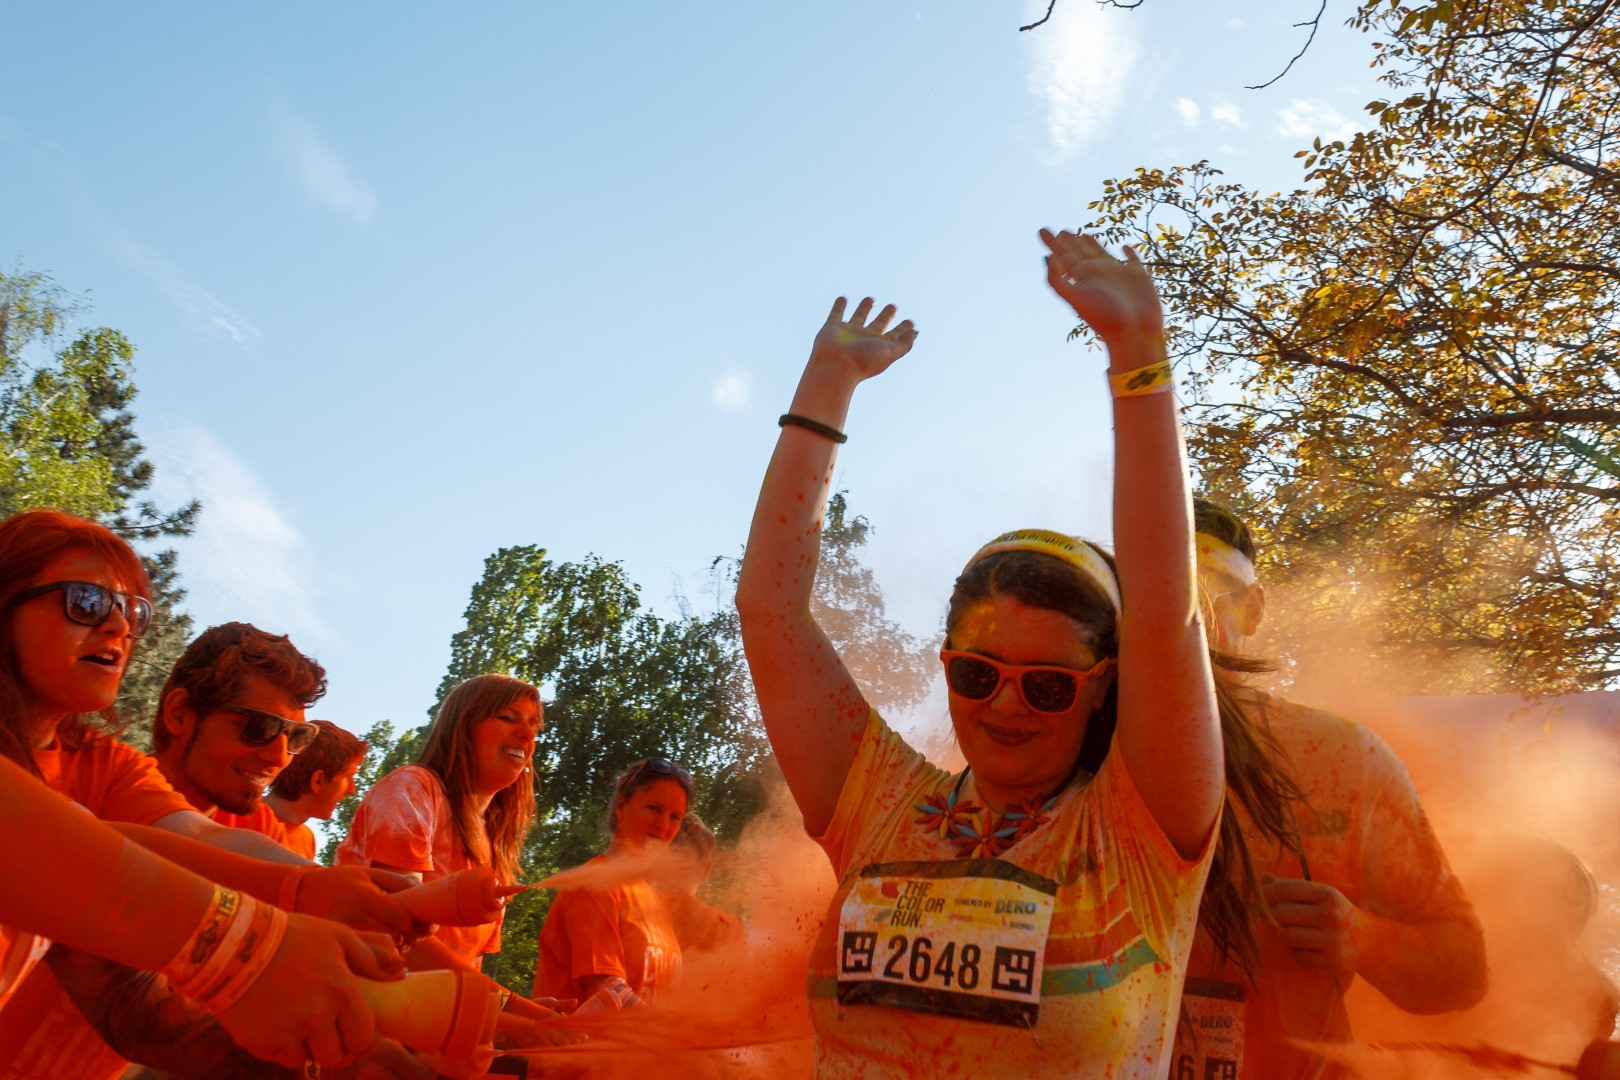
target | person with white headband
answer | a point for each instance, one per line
(1370, 894)
(1032, 914)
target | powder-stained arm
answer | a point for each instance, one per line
(1168, 728)
(814, 713)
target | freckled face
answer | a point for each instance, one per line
(503, 744)
(651, 815)
(1016, 752)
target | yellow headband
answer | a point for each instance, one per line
(1077, 553)
(1217, 555)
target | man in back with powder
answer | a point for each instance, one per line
(1373, 896)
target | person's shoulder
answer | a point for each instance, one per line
(1291, 718)
(94, 741)
(410, 779)
(1321, 732)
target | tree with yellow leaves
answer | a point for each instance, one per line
(1407, 371)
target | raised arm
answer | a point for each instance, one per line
(813, 711)
(1168, 730)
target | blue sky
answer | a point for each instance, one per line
(411, 283)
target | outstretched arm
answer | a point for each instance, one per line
(814, 713)
(142, 909)
(1168, 729)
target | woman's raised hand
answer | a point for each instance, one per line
(861, 343)
(1115, 297)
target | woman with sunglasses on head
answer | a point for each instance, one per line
(1032, 915)
(619, 937)
(74, 599)
(466, 802)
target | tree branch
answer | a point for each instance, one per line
(1606, 177)
(1042, 19)
(1314, 24)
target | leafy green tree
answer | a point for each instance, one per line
(69, 441)
(626, 684)
(891, 665)
(1405, 369)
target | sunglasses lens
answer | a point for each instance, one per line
(299, 737)
(87, 604)
(971, 677)
(139, 614)
(259, 728)
(1049, 691)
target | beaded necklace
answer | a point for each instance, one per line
(973, 830)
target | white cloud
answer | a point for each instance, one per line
(319, 170)
(732, 390)
(1227, 113)
(1309, 119)
(1082, 62)
(198, 303)
(246, 561)
(1187, 109)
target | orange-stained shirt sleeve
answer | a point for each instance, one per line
(114, 781)
(301, 841)
(397, 823)
(262, 820)
(583, 928)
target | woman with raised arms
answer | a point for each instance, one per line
(1031, 915)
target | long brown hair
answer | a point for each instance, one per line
(1257, 777)
(448, 753)
(28, 542)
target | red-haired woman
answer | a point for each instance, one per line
(468, 801)
(74, 599)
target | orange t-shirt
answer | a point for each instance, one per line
(42, 1035)
(624, 931)
(301, 840)
(406, 822)
(261, 820)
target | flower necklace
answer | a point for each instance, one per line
(973, 830)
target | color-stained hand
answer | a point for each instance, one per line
(306, 1006)
(1320, 925)
(355, 896)
(863, 344)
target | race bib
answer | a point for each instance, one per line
(964, 938)
(1212, 1046)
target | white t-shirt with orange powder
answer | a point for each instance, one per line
(406, 822)
(1061, 957)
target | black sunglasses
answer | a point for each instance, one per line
(1046, 688)
(656, 766)
(260, 728)
(89, 604)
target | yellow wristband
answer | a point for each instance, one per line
(1155, 378)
